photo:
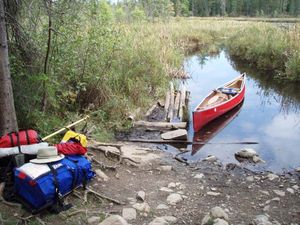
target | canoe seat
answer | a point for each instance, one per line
(218, 98)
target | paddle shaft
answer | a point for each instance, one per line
(65, 128)
(188, 142)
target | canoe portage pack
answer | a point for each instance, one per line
(23, 137)
(43, 186)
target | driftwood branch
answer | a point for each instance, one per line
(88, 190)
(179, 159)
(103, 166)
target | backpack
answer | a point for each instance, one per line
(43, 186)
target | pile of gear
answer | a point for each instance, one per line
(38, 175)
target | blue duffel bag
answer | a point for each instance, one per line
(40, 186)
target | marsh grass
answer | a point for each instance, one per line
(113, 68)
(269, 47)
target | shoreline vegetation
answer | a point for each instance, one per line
(98, 63)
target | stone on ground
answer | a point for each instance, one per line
(114, 220)
(162, 207)
(101, 175)
(211, 158)
(141, 195)
(280, 193)
(143, 207)
(199, 176)
(272, 176)
(129, 214)
(165, 168)
(246, 153)
(93, 220)
(174, 198)
(219, 221)
(159, 221)
(218, 212)
(261, 220)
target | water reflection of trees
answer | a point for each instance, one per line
(286, 94)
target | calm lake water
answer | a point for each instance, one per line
(269, 115)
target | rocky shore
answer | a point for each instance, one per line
(156, 189)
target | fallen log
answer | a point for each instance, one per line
(160, 125)
(180, 134)
(190, 142)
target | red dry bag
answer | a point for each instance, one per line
(23, 137)
(70, 148)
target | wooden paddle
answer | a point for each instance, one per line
(65, 128)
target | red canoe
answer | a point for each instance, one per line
(219, 101)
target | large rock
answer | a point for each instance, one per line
(218, 212)
(174, 198)
(180, 134)
(261, 220)
(129, 213)
(246, 153)
(114, 220)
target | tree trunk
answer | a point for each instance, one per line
(8, 119)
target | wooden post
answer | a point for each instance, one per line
(170, 112)
(176, 105)
(182, 103)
